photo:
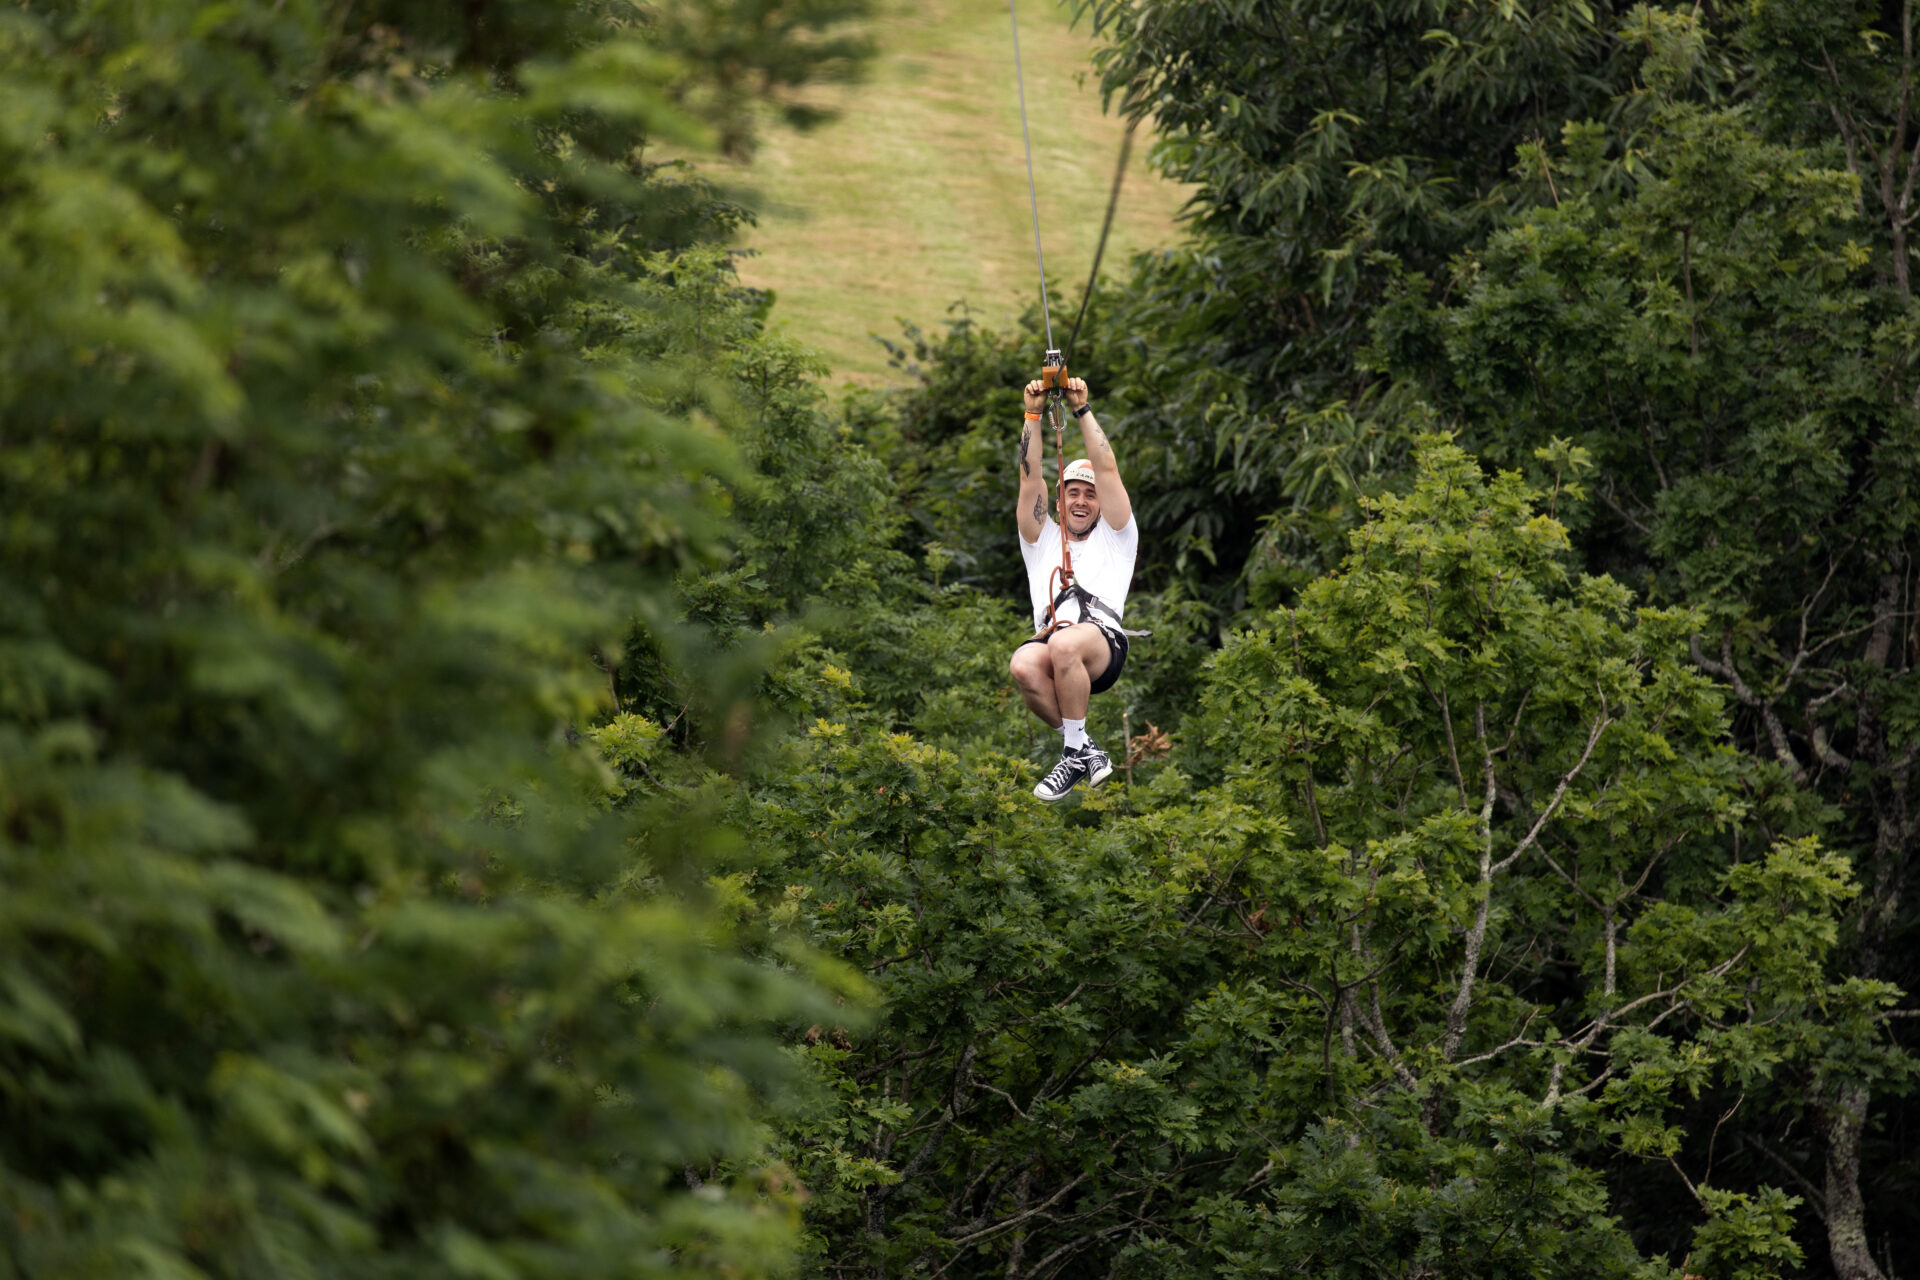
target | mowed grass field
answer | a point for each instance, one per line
(915, 197)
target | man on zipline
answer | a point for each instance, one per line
(1058, 673)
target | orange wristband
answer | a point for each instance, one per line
(1031, 417)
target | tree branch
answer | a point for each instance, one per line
(1816, 1199)
(1776, 731)
(1600, 724)
(1519, 1038)
(973, 1237)
(1476, 935)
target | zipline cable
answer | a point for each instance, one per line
(1113, 202)
(1053, 373)
(1033, 197)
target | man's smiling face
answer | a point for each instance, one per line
(1082, 508)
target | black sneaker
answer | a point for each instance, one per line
(1099, 765)
(1064, 777)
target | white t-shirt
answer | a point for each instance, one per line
(1102, 563)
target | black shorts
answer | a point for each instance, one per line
(1116, 654)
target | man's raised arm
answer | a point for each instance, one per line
(1032, 503)
(1116, 508)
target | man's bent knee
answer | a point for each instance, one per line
(1076, 647)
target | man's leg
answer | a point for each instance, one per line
(1032, 668)
(1079, 655)
(1075, 657)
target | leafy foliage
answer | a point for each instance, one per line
(1728, 339)
(346, 416)
(1655, 257)
(1216, 1031)
(479, 733)
(1331, 143)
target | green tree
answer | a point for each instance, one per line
(739, 57)
(1330, 145)
(322, 950)
(1461, 901)
(1675, 237)
(1327, 141)
(1731, 337)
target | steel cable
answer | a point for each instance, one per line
(1113, 202)
(1033, 197)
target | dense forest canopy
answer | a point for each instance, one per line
(500, 777)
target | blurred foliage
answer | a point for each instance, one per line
(739, 56)
(355, 391)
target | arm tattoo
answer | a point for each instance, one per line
(1040, 509)
(1026, 438)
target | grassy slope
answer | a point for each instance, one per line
(916, 197)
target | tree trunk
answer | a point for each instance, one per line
(1846, 1216)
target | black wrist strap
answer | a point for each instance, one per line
(1083, 410)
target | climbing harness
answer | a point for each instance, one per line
(1053, 370)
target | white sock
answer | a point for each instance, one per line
(1076, 731)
